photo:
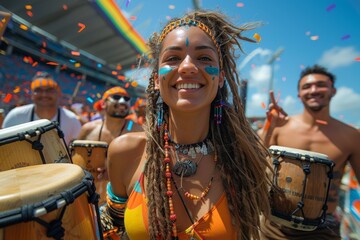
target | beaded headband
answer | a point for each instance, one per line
(190, 22)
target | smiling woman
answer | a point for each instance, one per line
(199, 170)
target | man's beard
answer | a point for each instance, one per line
(122, 114)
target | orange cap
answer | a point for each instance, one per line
(115, 90)
(43, 79)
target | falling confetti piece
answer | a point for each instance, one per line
(35, 64)
(52, 63)
(283, 78)
(7, 98)
(114, 72)
(75, 53)
(77, 65)
(65, 7)
(127, 85)
(330, 7)
(314, 38)
(308, 33)
(171, 7)
(29, 13)
(122, 78)
(127, 3)
(321, 122)
(28, 7)
(90, 100)
(133, 18)
(257, 37)
(263, 105)
(134, 84)
(357, 59)
(240, 4)
(82, 27)
(24, 27)
(17, 89)
(345, 37)
(118, 67)
(44, 44)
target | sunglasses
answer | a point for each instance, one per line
(118, 97)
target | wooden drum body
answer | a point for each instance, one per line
(91, 155)
(301, 185)
(32, 143)
(49, 201)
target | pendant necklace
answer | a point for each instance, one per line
(188, 167)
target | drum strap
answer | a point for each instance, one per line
(102, 125)
(32, 116)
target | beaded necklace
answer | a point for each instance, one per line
(169, 192)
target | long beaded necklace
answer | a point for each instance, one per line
(169, 192)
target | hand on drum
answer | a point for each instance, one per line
(276, 116)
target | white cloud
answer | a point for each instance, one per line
(291, 105)
(338, 57)
(260, 76)
(345, 99)
(254, 104)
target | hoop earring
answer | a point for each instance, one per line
(160, 111)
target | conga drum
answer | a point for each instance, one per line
(32, 143)
(91, 155)
(300, 190)
(48, 201)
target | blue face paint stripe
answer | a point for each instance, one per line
(187, 42)
(165, 70)
(212, 70)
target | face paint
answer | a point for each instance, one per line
(165, 70)
(212, 70)
(187, 42)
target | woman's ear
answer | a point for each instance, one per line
(156, 81)
(221, 78)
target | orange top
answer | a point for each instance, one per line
(216, 224)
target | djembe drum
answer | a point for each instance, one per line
(49, 201)
(91, 155)
(32, 143)
(301, 185)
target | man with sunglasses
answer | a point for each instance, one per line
(116, 102)
(115, 122)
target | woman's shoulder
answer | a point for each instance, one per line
(131, 144)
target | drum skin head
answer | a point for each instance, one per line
(299, 151)
(32, 184)
(88, 143)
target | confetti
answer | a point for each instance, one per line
(357, 59)
(7, 98)
(314, 38)
(263, 105)
(171, 6)
(345, 37)
(90, 100)
(44, 44)
(127, 85)
(52, 63)
(35, 64)
(75, 53)
(133, 18)
(82, 27)
(257, 37)
(127, 3)
(122, 78)
(321, 122)
(16, 90)
(65, 7)
(240, 4)
(134, 84)
(29, 13)
(77, 65)
(24, 27)
(118, 67)
(308, 33)
(28, 7)
(114, 72)
(330, 7)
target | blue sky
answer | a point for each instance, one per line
(310, 31)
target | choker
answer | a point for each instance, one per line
(187, 167)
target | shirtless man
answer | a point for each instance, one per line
(115, 123)
(313, 130)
